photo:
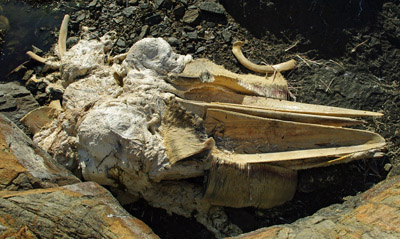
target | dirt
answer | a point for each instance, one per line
(348, 54)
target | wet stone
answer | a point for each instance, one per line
(212, 7)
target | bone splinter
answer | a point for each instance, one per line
(285, 66)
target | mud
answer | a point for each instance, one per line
(348, 54)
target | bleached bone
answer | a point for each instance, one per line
(285, 66)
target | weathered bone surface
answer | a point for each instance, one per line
(145, 125)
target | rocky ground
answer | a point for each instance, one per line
(347, 52)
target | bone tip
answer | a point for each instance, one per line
(237, 43)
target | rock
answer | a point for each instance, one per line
(83, 210)
(158, 3)
(154, 19)
(118, 19)
(372, 214)
(24, 165)
(212, 7)
(15, 102)
(192, 35)
(227, 36)
(129, 11)
(144, 31)
(173, 41)
(192, 16)
(121, 43)
(93, 3)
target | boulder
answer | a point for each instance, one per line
(372, 214)
(24, 165)
(82, 210)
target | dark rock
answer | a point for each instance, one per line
(82, 210)
(129, 11)
(179, 11)
(41, 98)
(154, 19)
(192, 17)
(24, 165)
(16, 101)
(212, 7)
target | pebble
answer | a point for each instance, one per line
(212, 7)
(119, 19)
(200, 49)
(173, 41)
(191, 16)
(144, 31)
(121, 43)
(92, 3)
(128, 11)
(227, 36)
(192, 35)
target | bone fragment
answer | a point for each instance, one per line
(42, 60)
(62, 37)
(285, 66)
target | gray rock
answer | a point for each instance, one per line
(173, 41)
(227, 36)
(129, 11)
(121, 43)
(212, 7)
(192, 35)
(81, 17)
(158, 3)
(92, 3)
(144, 31)
(15, 102)
(118, 19)
(200, 49)
(192, 17)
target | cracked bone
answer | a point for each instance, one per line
(171, 119)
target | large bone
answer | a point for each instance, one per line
(285, 66)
